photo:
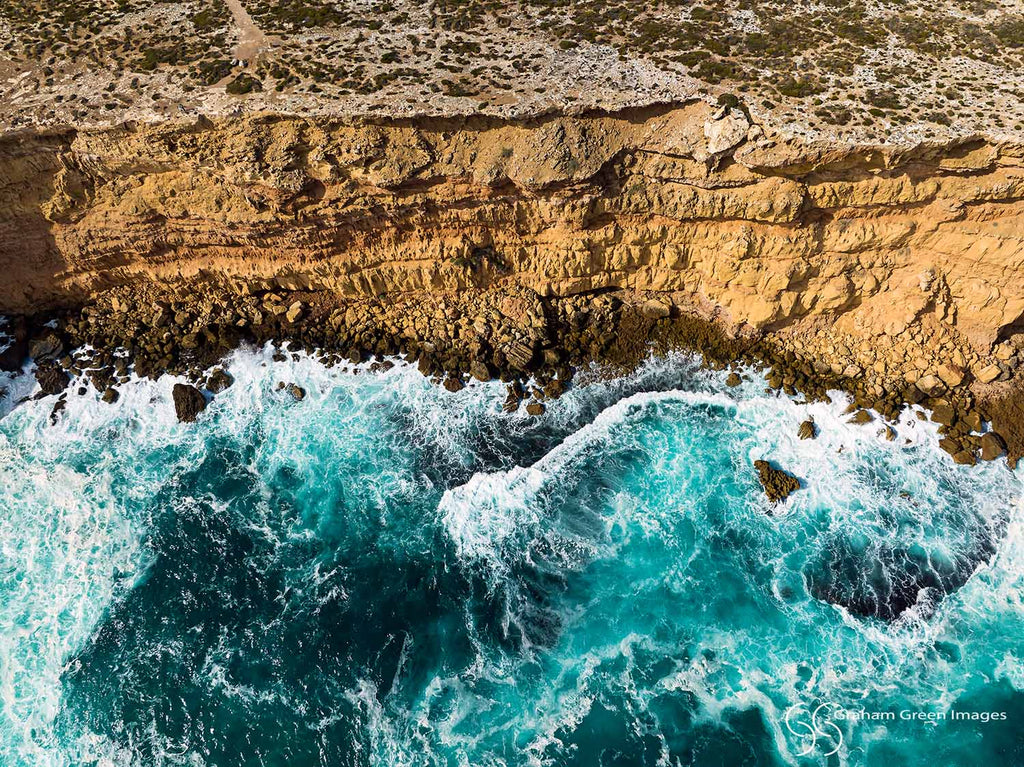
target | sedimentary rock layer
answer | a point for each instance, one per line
(887, 251)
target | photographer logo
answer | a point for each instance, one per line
(814, 730)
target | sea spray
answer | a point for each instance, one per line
(386, 573)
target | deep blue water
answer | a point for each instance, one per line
(389, 574)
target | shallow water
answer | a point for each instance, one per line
(389, 574)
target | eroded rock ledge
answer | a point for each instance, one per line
(891, 267)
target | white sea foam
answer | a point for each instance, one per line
(70, 545)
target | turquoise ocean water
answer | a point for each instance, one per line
(389, 574)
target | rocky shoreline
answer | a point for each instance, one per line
(534, 344)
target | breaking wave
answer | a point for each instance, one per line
(387, 573)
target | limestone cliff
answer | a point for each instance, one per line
(905, 262)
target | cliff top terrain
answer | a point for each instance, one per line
(874, 71)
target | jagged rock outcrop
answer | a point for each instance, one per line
(877, 262)
(189, 402)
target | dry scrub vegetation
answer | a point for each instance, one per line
(867, 67)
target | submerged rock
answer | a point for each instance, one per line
(778, 484)
(189, 402)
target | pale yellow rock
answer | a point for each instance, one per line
(931, 385)
(988, 373)
(951, 375)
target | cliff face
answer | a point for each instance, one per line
(885, 253)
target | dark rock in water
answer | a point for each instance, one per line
(297, 392)
(554, 388)
(58, 408)
(511, 400)
(218, 381)
(733, 379)
(453, 384)
(52, 380)
(992, 446)
(536, 408)
(861, 417)
(46, 348)
(189, 402)
(778, 484)
(427, 365)
(111, 395)
(885, 582)
(807, 430)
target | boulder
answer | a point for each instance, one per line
(554, 388)
(535, 408)
(733, 380)
(964, 458)
(58, 408)
(480, 370)
(219, 380)
(520, 355)
(973, 420)
(950, 445)
(861, 417)
(512, 399)
(297, 392)
(189, 402)
(944, 414)
(655, 310)
(989, 373)
(992, 446)
(51, 379)
(295, 312)
(807, 430)
(778, 484)
(931, 385)
(111, 395)
(46, 348)
(951, 375)
(453, 384)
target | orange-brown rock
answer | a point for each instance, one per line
(698, 205)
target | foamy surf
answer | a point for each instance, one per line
(385, 573)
